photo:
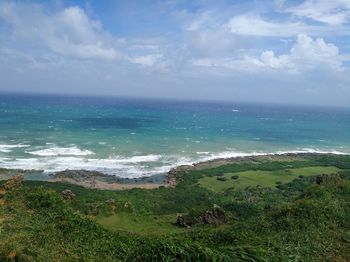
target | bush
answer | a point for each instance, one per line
(221, 178)
(41, 198)
(235, 177)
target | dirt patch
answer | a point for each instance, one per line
(97, 184)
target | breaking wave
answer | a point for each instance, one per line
(59, 159)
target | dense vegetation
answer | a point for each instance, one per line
(303, 218)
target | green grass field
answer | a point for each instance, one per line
(262, 178)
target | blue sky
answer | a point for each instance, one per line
(293, 52)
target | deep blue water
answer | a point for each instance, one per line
(135, 137)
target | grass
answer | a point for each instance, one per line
(143, 225)
(262, 178)
(299, 221)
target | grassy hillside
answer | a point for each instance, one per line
(304, 217)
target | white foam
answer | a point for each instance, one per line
(61, 151)
(234, 154)
(203, 153)
(235, 110)
(137, 159)
(8, 148)
(133, 166)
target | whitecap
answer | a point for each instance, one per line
(235, 154)
(61, 151)
(139, 159)
(5, 148)
(133, 166)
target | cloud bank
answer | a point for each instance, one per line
(244, 52)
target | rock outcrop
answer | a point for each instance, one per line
(13, 182)
(67, 194)
(181, 221)
(215, 215)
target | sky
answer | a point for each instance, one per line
(282, 51)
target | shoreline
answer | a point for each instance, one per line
(99, 180)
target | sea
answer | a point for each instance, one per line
(134, 137)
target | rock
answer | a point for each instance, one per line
(214, 215)
(14, 182)
(79, 175)
(320, 180)
(67, 194)
(217, 214)
(171, 178)
(208, 217)
(181, 221)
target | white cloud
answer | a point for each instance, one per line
(69, 32)
(146, 60)
(269, 59)
(255, 25)
(233, 64)
(333, 12)
(305, 54)
(56, 49)
(310, 53)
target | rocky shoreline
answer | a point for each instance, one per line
(99, 180)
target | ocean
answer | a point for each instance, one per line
(141, 137)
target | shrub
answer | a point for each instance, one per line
(235, 177)
(221, 178)
(42, 198)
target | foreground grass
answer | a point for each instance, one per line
(141, 224)
(300, 220)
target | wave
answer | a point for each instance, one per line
(61, 151)
(138, 159)
(131, 167)
(233, 154)
(203, 153)
(127, 167)
(8, 148)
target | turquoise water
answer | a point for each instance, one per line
(137, 137)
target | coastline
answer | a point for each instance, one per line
(98, 180)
